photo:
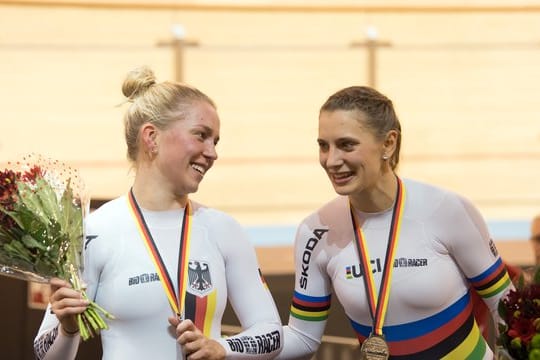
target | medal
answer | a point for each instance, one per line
(374, 348)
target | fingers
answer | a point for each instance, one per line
(64, 300)
(65, 304)
(174, 321)
(57, 283)
(69, 306)
(184, 326)
(195, 345)
(189, 336)
(204, 349)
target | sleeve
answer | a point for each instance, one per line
(467, 238)
(50, 343)
(261, 337)
(312, 295)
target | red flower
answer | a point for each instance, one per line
(32, 174)
(520, 312)
(8, 188)
(522, 328)
(8, 196)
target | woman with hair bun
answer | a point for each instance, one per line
(164, 265)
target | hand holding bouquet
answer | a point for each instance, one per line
(520, 311)
(42, 207)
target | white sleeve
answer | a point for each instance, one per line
(464, 233)
(311, 298)
(51, 344)
(296, 345)
(250, 299)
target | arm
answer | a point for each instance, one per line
(470, 243)
(58, 336)
(311, 300)
(251, 300)
(261, 337)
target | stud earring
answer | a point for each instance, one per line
(385, 157)
(152, 152)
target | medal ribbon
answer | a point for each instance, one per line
(378, 303)
(176, 300)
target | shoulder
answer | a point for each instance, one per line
(449, 216)
(104, 229)
(110, 207)
(330, 220)
(222, 229)
(328, 213)
(211, 215)
(213, 218)
(108, 213)
(425, 199)
(419, 191)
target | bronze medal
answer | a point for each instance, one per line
(374, 348)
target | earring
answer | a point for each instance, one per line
(152, 152)
(385, 157)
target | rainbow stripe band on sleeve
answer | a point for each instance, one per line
(310, 308)
(492, 281)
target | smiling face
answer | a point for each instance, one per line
(186, 149)
(349, 152)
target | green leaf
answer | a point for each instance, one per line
(536, 277)
(501, 309)
(17, 251)
(521, 282)
(30, 242)
(29, 199)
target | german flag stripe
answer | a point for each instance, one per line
(154, 253)
(200, 310)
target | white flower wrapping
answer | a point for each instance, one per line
(42, 208)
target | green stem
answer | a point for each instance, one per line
(90, 321)
(82, 327)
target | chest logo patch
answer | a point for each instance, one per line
(200, 282)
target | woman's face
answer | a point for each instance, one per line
(187, 149)
(349, 152)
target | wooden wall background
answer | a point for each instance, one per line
(463, 76)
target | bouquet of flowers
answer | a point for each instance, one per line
(42, 207)
(520, 311)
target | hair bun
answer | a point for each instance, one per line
(138, 81)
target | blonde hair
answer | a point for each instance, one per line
(157, 103)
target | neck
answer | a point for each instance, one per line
(156, 196)
(377, 198)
